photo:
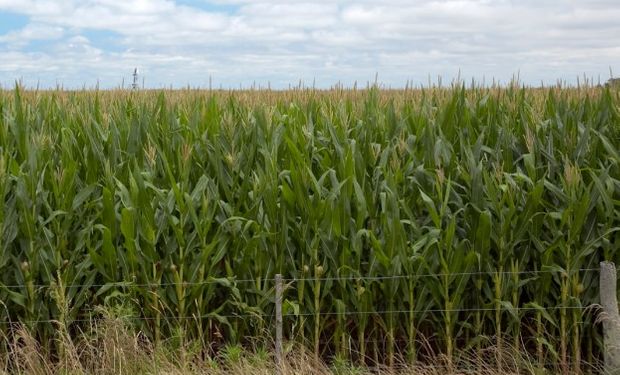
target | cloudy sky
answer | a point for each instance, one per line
(240, 42)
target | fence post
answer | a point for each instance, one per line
(279, 323)
(611, 318)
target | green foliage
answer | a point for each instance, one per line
(174, 200)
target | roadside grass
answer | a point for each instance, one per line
(111, 346)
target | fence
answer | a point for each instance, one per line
(611, 318)
(607, 314)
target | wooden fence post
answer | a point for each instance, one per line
(279, 323)
(610, 318)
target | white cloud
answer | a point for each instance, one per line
(32, 31)
(284, 41)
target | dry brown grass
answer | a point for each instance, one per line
(111, 347)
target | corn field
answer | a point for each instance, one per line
(454, 218)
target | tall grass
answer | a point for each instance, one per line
(166, 203)
(111, 346)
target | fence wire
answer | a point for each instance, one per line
(233, 281)
(437, 275)
(294, 315)
(289, 282)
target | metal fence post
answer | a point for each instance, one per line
(279, 323)
(611, 318)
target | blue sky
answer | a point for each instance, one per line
(11, 21)
(79, 43)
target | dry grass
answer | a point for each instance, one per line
(112, 348)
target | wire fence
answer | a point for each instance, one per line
(291, 315)
(289, 284)
(233, 280)
(295, 315)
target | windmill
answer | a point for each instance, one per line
(613, 82)
(134, 85)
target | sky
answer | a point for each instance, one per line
(240, 43)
